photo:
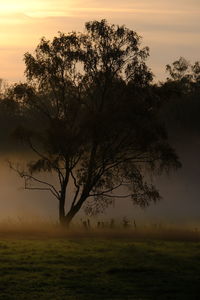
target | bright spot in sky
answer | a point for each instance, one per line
(35, 8)
(13, 6)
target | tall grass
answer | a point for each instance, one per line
(38, 228)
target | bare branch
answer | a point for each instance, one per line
(107, 191)
(30, 177)
(27, 177)
(110, 196)
(40, 189)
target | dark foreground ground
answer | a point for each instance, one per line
(88, 267)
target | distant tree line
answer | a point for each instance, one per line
(94, 119)
(182, 91)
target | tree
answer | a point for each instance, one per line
(182, 91)
(91, 93)
(184, 75)
(9, 118)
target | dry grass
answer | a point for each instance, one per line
(38, 228)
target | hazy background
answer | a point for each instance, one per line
(170, 28)
(180, 191)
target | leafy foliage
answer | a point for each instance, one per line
(100, 122)
(181, 91)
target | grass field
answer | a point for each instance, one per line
(89, 267)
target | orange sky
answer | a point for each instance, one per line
(171, 28)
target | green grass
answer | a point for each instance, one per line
(98, 268)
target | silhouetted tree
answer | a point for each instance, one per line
(100, 128)
(184, 75)
(179, 70)
(9, 117)
(181, 91)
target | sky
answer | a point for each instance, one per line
(170, 28)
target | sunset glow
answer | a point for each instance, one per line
(168, 27)
(13, 6)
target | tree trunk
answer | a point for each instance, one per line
(70, 215)
(62, 210)
(73, 211)
(62, 201)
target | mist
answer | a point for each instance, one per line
(180, 204)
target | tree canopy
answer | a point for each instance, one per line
(181, 91)
(91, 117)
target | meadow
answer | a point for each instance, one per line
(98, 264)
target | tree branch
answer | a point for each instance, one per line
(28, 177)
(77, 189)
(61, 177)
(111, 196)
